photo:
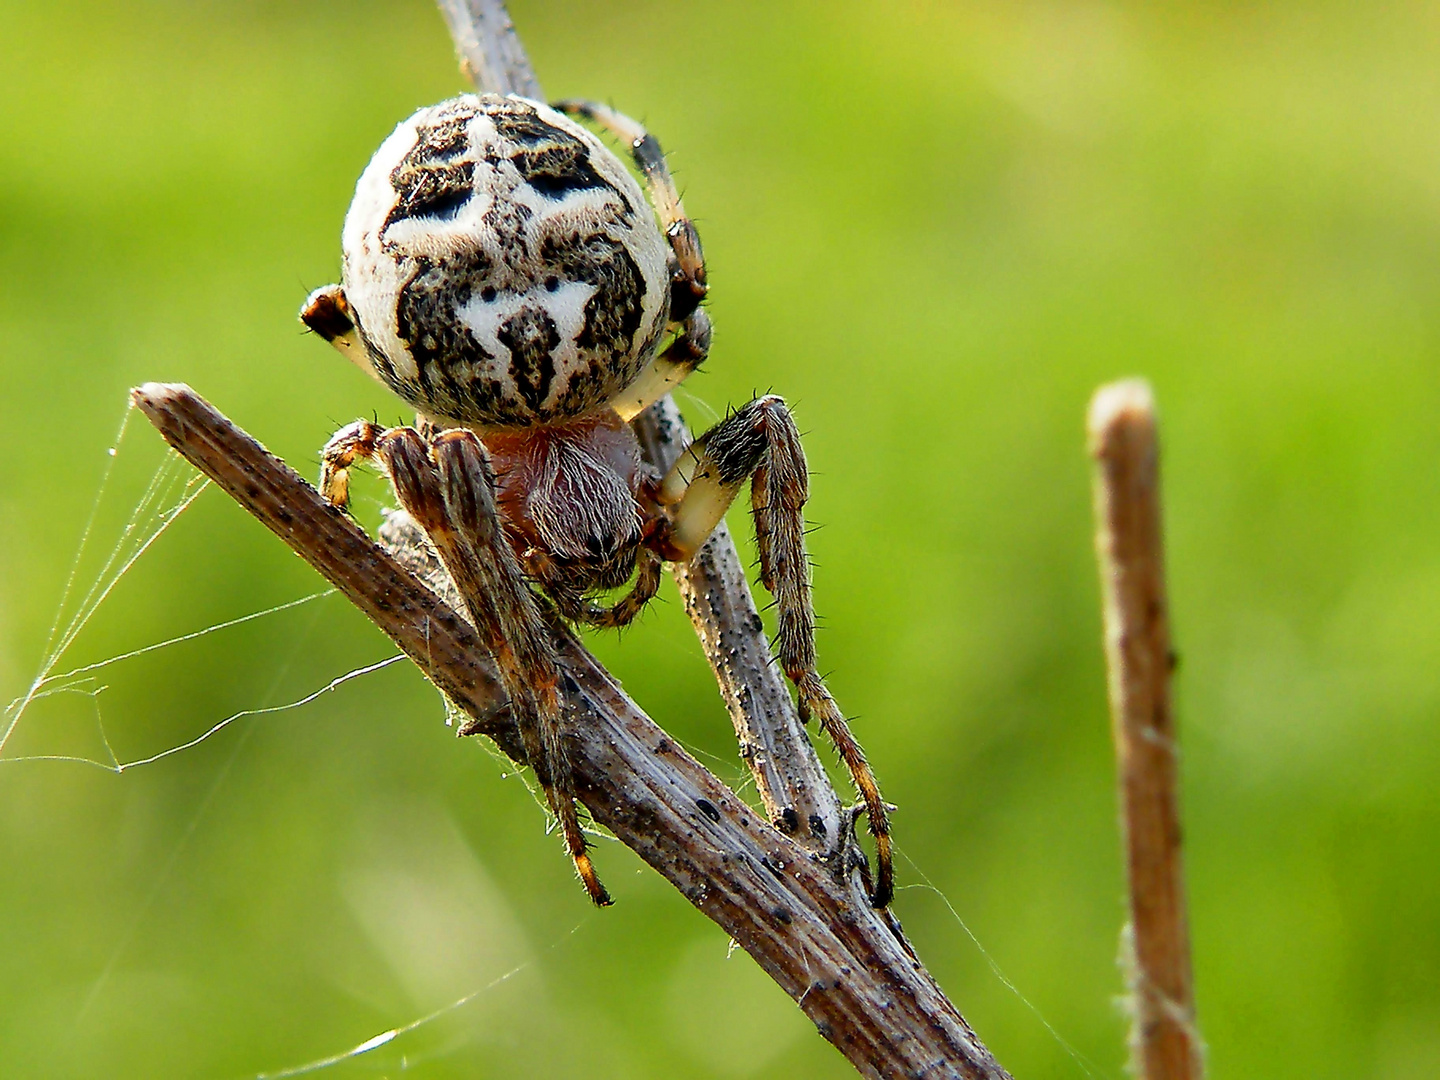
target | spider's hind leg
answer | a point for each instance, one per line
(687, 283)
(760, 441)
(447, 487)
(668, 370)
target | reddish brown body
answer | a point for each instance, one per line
(568, 494)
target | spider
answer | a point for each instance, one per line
(504, 276)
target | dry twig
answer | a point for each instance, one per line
(1165, 1044)
(491, 55)
(803, 917)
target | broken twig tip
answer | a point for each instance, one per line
(151, 396)
(1127, 404)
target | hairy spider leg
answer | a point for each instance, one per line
(687, 277)
(760, 441)
(448, 488)
(668, 370)
(649, 568)
(687, 287)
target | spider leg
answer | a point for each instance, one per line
(687, 277)
(327, 313)
(687, 285)
(572, 603)
(760, 441)
(648, 568)
(352, 443)
(668, 370)
(448, 488)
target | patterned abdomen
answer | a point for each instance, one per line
(502, 266)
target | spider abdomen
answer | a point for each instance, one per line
(502, 266)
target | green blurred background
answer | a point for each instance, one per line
(935, 227)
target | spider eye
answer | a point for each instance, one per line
(552, 283)
(488, 294)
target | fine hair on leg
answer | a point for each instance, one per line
(760, 441)
(688, 286)
(447, 487)
(648, 573)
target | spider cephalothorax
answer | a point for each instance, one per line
(504, 276)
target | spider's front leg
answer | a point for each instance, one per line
(447, 486)
(760, 441)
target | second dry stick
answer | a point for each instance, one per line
(1164, 1042)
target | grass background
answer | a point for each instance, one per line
(935, 227)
